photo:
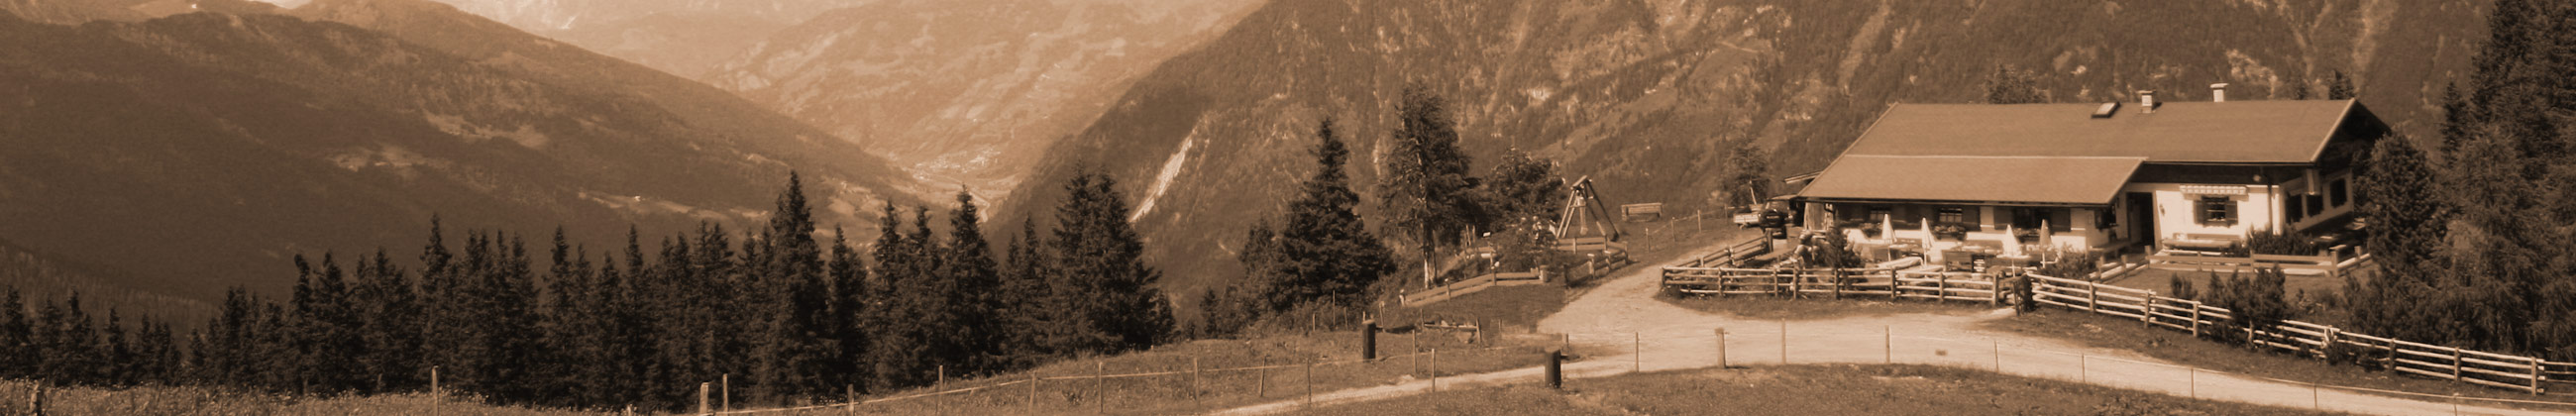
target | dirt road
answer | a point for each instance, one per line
(1619, 327)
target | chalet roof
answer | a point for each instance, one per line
(1971, 179)
(2234, 132)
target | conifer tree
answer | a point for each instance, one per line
(1525, 188)
(1327, 254)
(1030, 307)
(852, 300)
(17, 344)
(117, 364)
(2339, 87)
(1113, 302)
(572, 347)
(2010, 85)
(972, 283)
(388, 308)
(1226, 310)
(1426, 193)
(792, 300)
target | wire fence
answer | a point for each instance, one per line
(1295, 385)
(1034, 391)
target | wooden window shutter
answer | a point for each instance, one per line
(2061, 219)
(2200, 211)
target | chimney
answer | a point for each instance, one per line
(2147, 101)
(2218, 92)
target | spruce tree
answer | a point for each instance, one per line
(2339, 87)
(17, 344)
(1114, 304)
(1426, 191)
(1327, 254)
(2407, 216)
(448, 310)
(117, 359)
(792, 298)
(1030, 307)
(852, 302)
(972, 289)
(388, 309)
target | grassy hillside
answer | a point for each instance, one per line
(1641, 95)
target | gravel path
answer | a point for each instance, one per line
(1619, 327)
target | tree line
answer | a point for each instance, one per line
(1318, 264)
(2470, 235)
(786, 317)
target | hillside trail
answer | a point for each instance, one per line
(1619, 327)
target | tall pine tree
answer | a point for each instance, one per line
(1112, 301)
(1327, 253)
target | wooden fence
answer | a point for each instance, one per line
(1733, 254)
(1893, 284)
(1464, 287)
(2335, 263)
(2303, 338)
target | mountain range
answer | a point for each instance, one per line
(199, 151)
(966, 91)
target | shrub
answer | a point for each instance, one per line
(2180, 288)
(2067, 264)
(2254, 301)
(2268, 242)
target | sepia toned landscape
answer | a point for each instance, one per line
(794, 207)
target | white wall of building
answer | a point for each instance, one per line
(2176, 212)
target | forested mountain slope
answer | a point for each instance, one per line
(1644, 95)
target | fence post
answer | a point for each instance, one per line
(2325, 350)
(1310, 385)
(2455, 363)
(2147, 310)
(1999, 353)
(1636, 352)
(1194, 377)
(2093, 298)
(1435, 373)
(1555, 377)
(1033, 391)
(1721, 347)
(2535, 374)
(2195, 319)
(1368, 340)
(1887, 338)
(436, 396)
(724, 393)
(2194, 378)
(849, 400)
(702, 399)
(1784, 342)
(1100, 384)
(1261, 389)
(36, 398)
(1941, 288)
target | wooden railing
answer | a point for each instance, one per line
(1836, 283)
(1733, 254)
(2303, 338)
(2335, 263)
(1473, 285)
